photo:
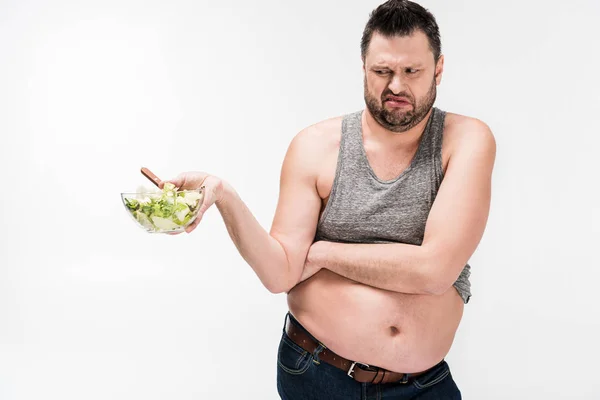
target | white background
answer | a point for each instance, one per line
(91, 307)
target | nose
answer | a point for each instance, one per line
(395, 85)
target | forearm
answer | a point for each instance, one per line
(396, 267)
(265, 255)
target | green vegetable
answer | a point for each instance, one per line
(168, 210)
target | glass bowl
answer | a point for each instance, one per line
(166, 211)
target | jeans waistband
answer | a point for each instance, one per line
(299, 325)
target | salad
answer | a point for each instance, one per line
(165, 211)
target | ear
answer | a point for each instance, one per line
(439, 70)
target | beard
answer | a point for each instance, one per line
(397, 120)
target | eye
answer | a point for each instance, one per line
(382, 72)
(411, 71)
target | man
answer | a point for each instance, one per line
(378, 214)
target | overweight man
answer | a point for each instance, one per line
(379, 211)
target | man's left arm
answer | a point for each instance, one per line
(454, 228)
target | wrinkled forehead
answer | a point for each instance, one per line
(399, 50)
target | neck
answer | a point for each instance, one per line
(410, 138)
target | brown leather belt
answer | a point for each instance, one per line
(358, 371)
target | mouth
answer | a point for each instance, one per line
(397, 102)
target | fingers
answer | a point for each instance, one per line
(187, 180)
(211, 185)
(179, 182)
(201, 212)
(194, 224)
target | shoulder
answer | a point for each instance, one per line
(320, 138)
(312, 145)
(326, 130)
(467, 134)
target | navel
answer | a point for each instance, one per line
(394, 331)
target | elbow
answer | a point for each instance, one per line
(274, 290)
(274, 287)
(279, 286)
(278, 280)
(279, 289)
(438, 277)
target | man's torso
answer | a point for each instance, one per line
(396, 331)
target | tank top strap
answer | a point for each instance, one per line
(351, 145)
(428, 144)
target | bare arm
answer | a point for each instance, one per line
(453, 231)
(278, 257)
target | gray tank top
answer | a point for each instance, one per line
(365, 209)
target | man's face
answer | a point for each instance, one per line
(400, 80)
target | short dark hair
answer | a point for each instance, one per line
(401, 18)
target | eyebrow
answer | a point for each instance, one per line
(381, 66)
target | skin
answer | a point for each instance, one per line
(388, 305)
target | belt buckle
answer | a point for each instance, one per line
(351, 370)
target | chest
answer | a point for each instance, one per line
(385, 165)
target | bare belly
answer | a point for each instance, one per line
(396, 331)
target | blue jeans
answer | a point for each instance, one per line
(302, 376)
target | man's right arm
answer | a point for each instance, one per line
(278, 257)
